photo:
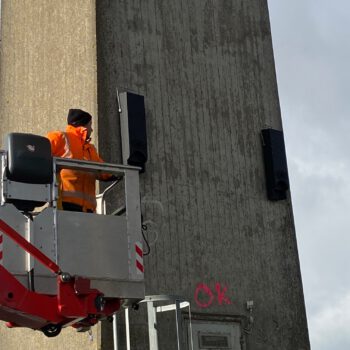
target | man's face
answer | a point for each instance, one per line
(89, 129)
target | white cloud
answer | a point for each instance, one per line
(331, 325)
(312, 61)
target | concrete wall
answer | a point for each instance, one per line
(47, 65)
(207, 71)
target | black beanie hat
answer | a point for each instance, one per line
(77, 117)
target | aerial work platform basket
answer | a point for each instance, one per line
(61, 268)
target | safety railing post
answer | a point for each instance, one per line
(178, 325)
(152, 326)
(115, 332)
(127, 328)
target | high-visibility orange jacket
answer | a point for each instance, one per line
(77, 186)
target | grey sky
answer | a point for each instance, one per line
(312, 54)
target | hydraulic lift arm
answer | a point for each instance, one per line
(75, 303)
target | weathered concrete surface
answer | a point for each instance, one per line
(47, 65)
(207, 71)
(69, 339)
(206, 68)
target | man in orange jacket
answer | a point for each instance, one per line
(77, 187)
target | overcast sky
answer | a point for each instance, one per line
(311, 41)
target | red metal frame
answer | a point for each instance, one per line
(75, 303)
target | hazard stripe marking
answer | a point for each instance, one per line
(139, 266)
(138, 250)
(139, 257)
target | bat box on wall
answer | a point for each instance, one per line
(276, 170)
(133, 129)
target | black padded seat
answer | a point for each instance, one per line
(29, 160)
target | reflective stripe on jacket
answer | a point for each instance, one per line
(77, 186)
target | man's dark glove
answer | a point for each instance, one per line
(112, 178)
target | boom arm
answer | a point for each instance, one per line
(75, 303)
